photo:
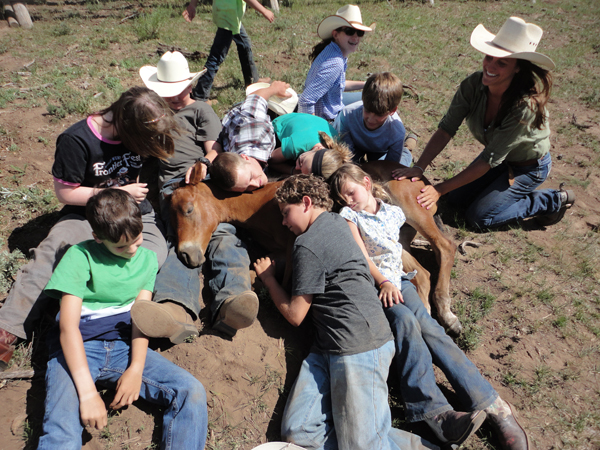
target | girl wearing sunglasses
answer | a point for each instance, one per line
(326, 81)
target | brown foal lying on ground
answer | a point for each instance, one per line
(199, 207)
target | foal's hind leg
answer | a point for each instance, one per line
(421, 279)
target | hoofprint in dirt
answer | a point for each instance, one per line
(528, 298)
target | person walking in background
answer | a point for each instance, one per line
(227, 16)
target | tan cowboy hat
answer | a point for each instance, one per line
(170, 76)
(516, 39)
(277, 104)
(346, 16)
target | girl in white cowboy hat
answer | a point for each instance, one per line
(505, 109)
(326, 79)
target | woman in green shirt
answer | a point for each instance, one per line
(505, 109)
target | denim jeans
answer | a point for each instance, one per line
(342, 402)
(491, 201)
(229, 267)
(421, 341)
(218, 52)
(26, 302)
(185, 418)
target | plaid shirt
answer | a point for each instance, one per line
(247, 129)
(325, 84)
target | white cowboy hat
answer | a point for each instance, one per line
(278, 446)
(516, 39)
(170, 76)
(346, 16)
(277, 104)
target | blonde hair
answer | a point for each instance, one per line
(337, 155)
(351, 172)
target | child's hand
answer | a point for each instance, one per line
(137, 190)
(264, 268)
(93, 412)
(278, 88)
(128, 388)
(268, 14)
(390, 295)
(190, 12)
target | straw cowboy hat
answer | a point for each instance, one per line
(346, 16)
(278, 446)
(170, 76)
(277, 104)
(516, 39)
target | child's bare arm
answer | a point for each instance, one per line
(388, 293)
(277, 88)
(255, 4)
(294, 309)
(190, 11)
(128, 386)
(91, 407)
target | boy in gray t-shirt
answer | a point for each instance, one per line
(340, 398)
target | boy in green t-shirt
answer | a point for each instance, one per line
(98, 281)
(227, 16)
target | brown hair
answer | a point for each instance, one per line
(297, 186)
(143, 122)
(224, 169)
(317, 49)
(531, 83)
(382, 93)
(114, 214)
(337, 155)
(351, 172)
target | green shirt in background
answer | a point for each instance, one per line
(514, 139)
(228, 14)
(299, 133)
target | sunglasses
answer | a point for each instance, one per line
(348, 31)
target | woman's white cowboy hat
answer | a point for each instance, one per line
(277, 104)
(170, 76)
(516, 39)
(346, 16)
(278, 446)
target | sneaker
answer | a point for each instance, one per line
(237, 312)
(453, 428)
(567, 199)
(511, 434)
(7, 348)
(163, 320)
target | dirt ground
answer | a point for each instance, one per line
(247, 377)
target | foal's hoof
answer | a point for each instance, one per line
(455, 328)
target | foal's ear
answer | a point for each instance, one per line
(196, 175)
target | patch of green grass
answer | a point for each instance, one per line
(9, 266)
(62, 29)
(148, 26)
(470, 311)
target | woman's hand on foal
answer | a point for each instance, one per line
(390, 295)
(428, 197)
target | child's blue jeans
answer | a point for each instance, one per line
(341, 402)
(421, 342)
(185, 417)
(218, 52)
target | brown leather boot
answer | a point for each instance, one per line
(163, 320)
(237, 312)
(7, 348)
(454, 427)
(510, 432)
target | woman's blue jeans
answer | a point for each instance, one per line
(342, 402)
(491, 201)
(420, 342)
(218, 52)
(185, 418)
